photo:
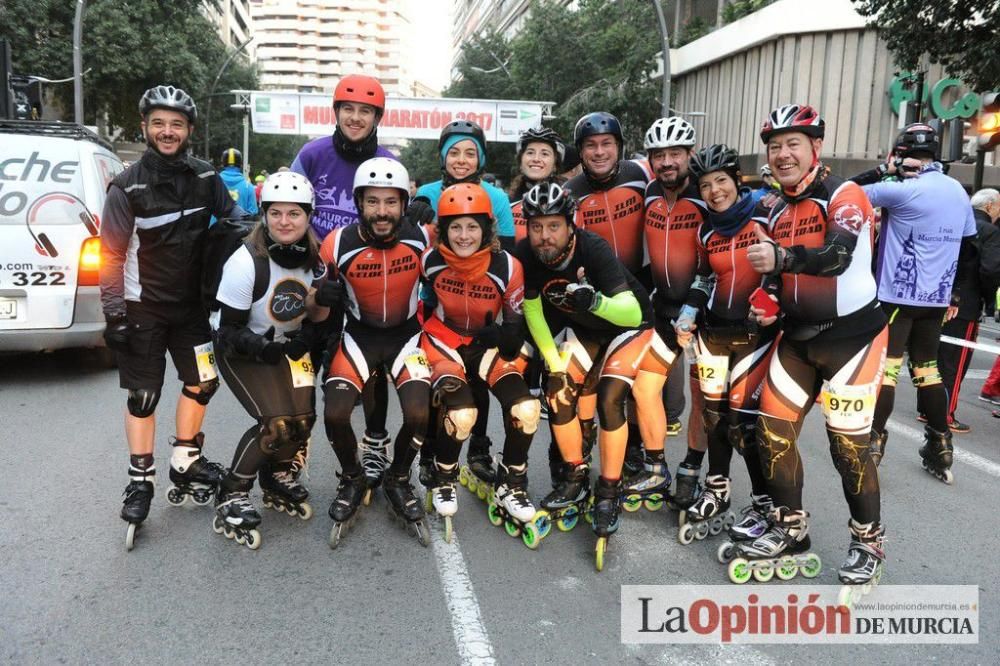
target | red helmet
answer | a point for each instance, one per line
(793, 118)
(360, 88)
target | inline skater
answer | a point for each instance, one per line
(732, 353)
(927, 237)
(833, 343)
(478, 327)
(540, 153)
(156, 213)
(265, 293)
(375, 265)
(672, 215)
(330, 164)
(603, 322)
(240, 189)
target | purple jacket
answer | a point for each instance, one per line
(333, 179)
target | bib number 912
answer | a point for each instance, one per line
(38, 279)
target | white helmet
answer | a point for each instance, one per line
(669, 132)
(287, 187)
(381, 172)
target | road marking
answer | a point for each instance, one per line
(467, 626)
(960, 455)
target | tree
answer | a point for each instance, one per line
(962, 35)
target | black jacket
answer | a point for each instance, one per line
(988, 241)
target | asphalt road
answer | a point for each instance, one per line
(72, 594)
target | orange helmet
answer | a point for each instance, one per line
(360, 88)
(465, 199)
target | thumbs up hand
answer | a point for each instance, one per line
(765, 255)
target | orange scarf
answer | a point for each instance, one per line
(468, 268)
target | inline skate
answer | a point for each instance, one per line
(710, 514)
(344, 509)
(687, 487)
(135, 507)
(570, 498)
(649, 488)
(511, 507)
(376, 454)
(605, 515)
(237, 518)
(283, 492)
(865, 562)
(937, 454)
(751, 526)
(441, 497)
(404, 506)
(191, 474)
(782, 550)
(478, 474)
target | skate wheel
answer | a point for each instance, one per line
(531, 536)
(948, 476)
(544, 524)
(472, 483)
(429, 502)
(702, 530)
(653, 503)
(336, 534)
(715, 528)
(130, 536)
(729, 521)
(787, 569)
(175, 497)
(725, 552)
(599, 550)
(463, 477)
(763, 574)
(632, 503)
(447, 529)
(367, 498)
(422, 533)
(493, 513)
(512, 529)
(201, 499)
(685, 534)
(252, 540)
(569, 519)
(739, 571)
(305, 511)
(267, 503)
(217, 526)
(846, 596)
(483, 491)
(813, 565)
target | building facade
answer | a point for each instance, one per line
(233, 21)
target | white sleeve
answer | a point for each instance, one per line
(236, 285)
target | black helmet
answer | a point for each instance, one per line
(542, 135)
(598, 122)
(717, 157)
(168, 97)
(231, 157)
(548, 199)
(917, 138)
(462, 128)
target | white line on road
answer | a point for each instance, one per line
(466, 620)
(961, 455)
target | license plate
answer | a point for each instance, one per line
(8, 308)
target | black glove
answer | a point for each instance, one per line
(330, 293)
(490, 335)
(299, 342)
(117, 333)
(267, 350)
(560, 386)
(581, 296)
(420, 212)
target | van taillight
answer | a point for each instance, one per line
(90, 262)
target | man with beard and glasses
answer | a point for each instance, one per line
(153, 228)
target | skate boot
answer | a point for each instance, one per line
(376, 454)
(511, 507)
(865, 562)
(634, 460)
(937, 454)
(283, 492)
(606, 515)
(191, 474)
(237, 518)
(648, 488)
(570, 497)
(710, 514)
(876, 445)
(425, 467)
(441, 497)
(751, 526)
(687, 488)
(783, 549)
(135, 507)
(478, 474)
(404, 506)
(344, 509)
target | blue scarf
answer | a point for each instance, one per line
(729, 222)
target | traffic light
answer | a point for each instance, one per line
(989, 122)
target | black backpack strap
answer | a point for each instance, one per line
(261, 275)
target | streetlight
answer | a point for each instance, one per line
(665, 45)
(78, 62)
(208, 115)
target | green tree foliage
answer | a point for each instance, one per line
(740, 8)
(962, 35)
(694, 29)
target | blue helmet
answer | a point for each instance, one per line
(598, 122)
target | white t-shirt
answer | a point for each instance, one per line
(283, 304)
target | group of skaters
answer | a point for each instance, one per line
(567, 300)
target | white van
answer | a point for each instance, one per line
(53, 182)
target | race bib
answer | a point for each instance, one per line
(303, 372)
(849, 408)
(713, 374)
(417, 365)
(204, 356)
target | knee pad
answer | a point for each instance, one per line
(892, 368)
(850, 455)
(458, 422)
(205, 391)
(452, 391)
(142, 402)
(924, 374)
(301, 427)
(611, 394)
(776, 444)
(275, 433)
(526, 415)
